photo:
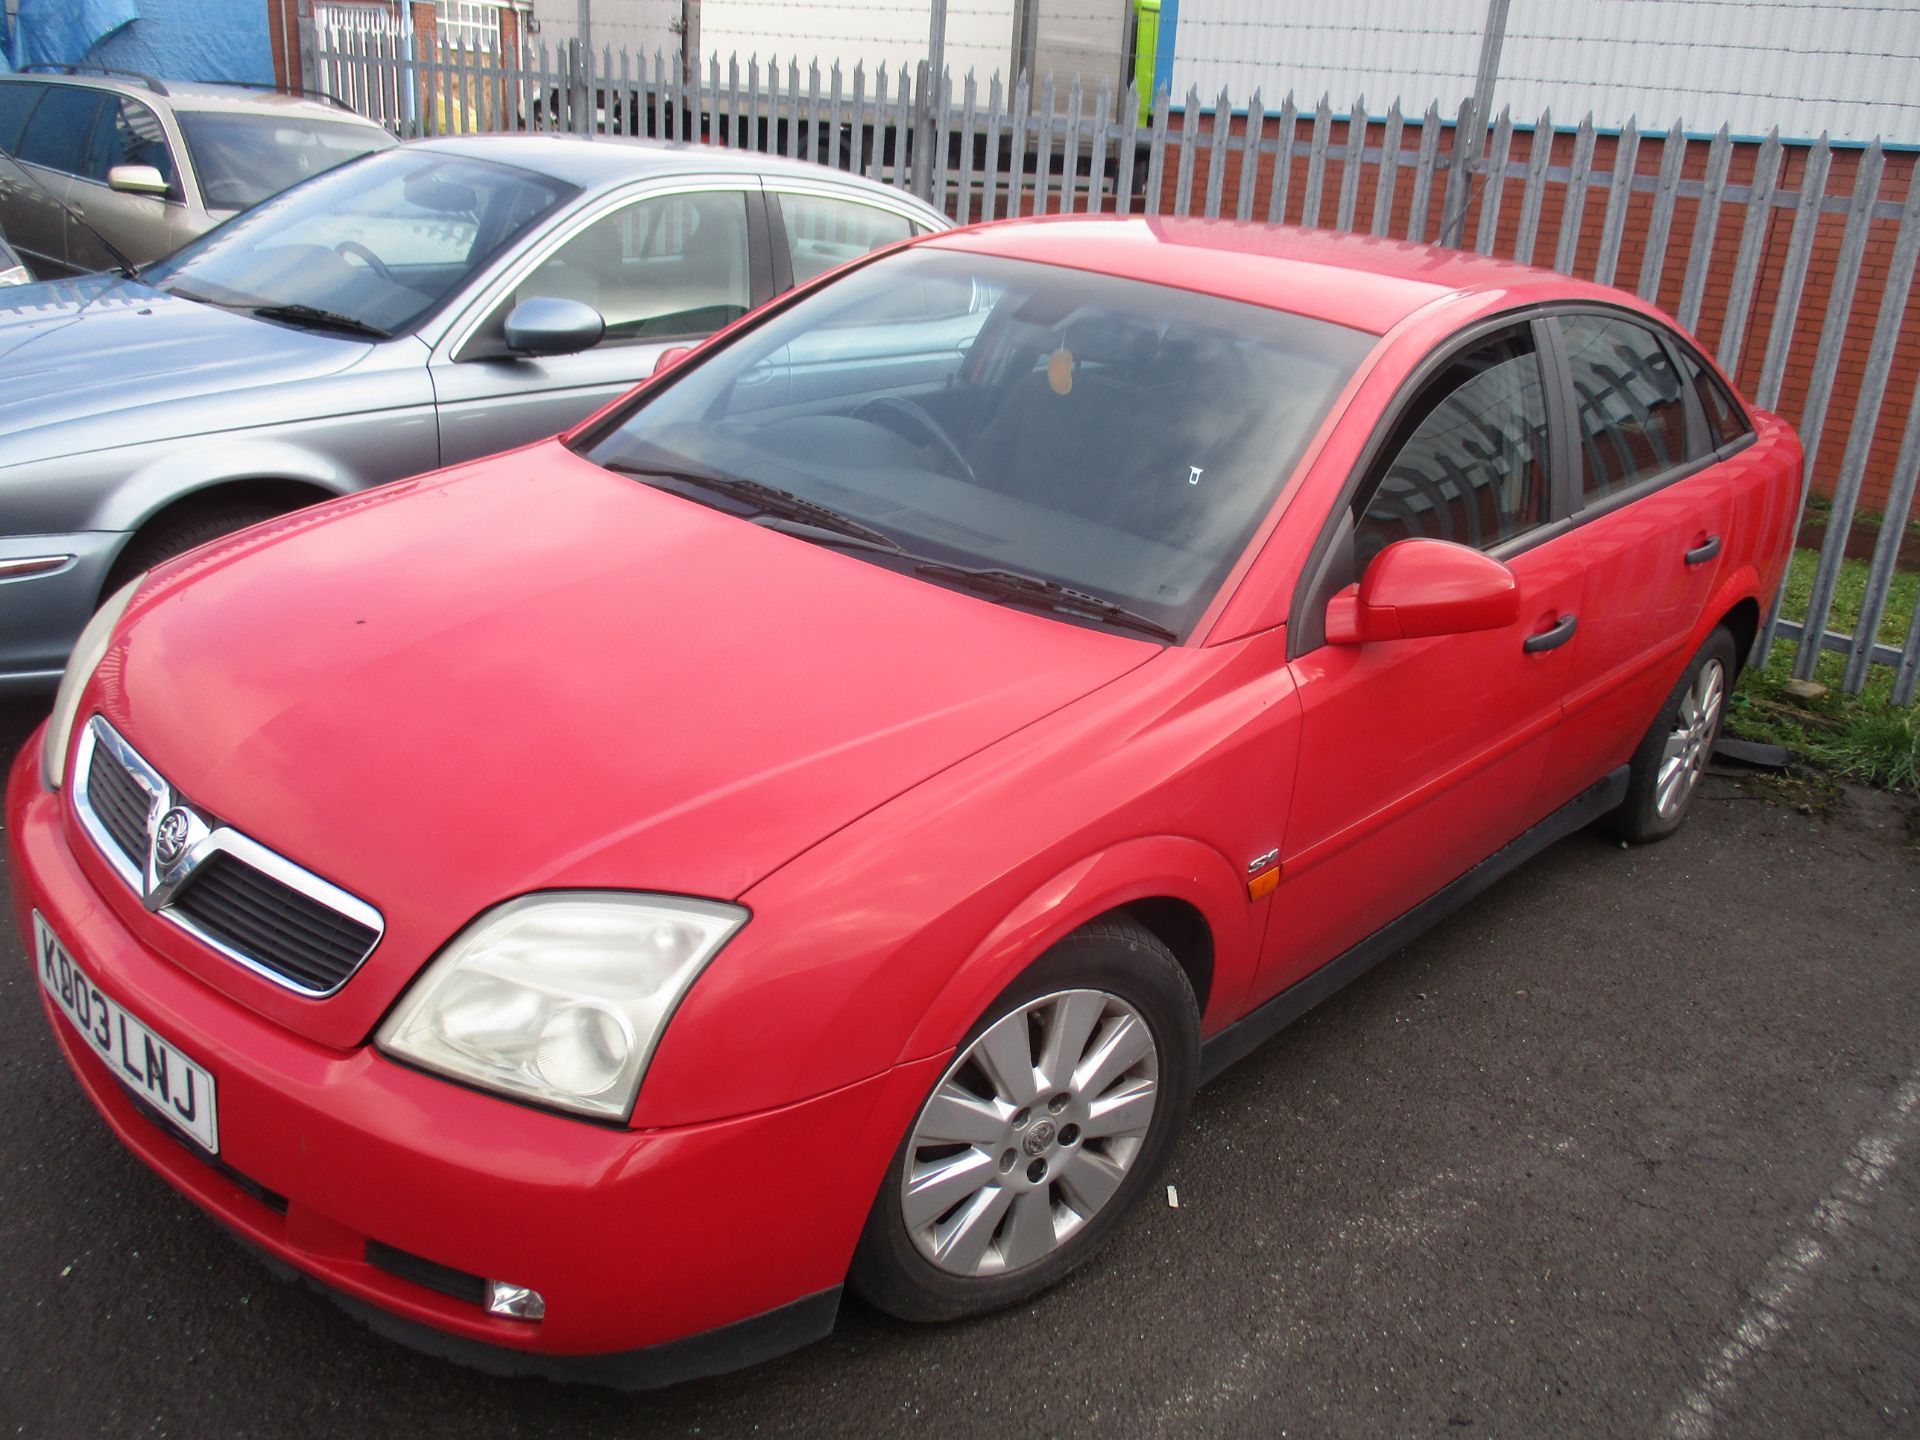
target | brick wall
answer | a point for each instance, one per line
(1797, 381)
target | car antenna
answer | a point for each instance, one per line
(125, 266)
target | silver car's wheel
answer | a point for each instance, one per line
(1056, 1113)
(1690, 742)
(1030, 1132)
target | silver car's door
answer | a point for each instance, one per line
(141, 227)
(665, 264)
(52, 147)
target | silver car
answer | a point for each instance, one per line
(418, 307)
(149, 164)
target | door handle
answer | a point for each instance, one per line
(1704, 551)
(1554, 638)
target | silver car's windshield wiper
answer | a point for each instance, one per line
(998, 584)
(766, 499)
(312, 318)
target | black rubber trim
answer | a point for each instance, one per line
(1245, 1035)
(712, 1352)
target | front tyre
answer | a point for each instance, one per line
(1057, 1113)
(1667, 767)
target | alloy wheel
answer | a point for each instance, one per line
(1690, 743)
(1029, 1133)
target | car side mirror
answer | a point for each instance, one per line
(548, 326)
(1417, 588)
(670, 358)
(137, 180)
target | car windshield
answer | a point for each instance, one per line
(1115, 437)
(241, 159)
(373, 246)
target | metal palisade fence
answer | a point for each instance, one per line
(1794, 263)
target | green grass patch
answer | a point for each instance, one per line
(1864, 738)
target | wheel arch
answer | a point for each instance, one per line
(1180, 890)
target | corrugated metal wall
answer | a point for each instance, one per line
(1850, 68)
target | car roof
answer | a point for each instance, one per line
(1364, 282)
(588, 161)
(194, 95)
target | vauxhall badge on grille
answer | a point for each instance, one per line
(170, 855)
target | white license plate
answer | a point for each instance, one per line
(179, 1090)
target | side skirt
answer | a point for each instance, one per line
(1247, 1033)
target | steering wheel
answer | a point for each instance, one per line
(374, 262)
(879, 410)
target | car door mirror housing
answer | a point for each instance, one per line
(670, 358)
(1417, 588)
(137, 180)
(546, 325)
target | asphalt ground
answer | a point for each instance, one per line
(1631, 1146)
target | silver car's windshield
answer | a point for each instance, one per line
(241, 158)
(1044, 430)
(372, 247)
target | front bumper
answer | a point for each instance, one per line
(723, 1243)
(47, 610)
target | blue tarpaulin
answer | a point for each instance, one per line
(176, 39)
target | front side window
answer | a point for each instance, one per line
(1630, 415)
(1113, 436)
(823, 232)
(57, 131)
(378, 244)
(670, 267)
(1467, 461)
(128, 134)
(240, 159)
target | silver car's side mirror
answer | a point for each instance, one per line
(547, 326)
(137, 180)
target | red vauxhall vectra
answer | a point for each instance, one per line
(815, 824)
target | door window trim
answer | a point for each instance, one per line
(779, 247)
(1697, 433)
(508, 274)
(1307, 617)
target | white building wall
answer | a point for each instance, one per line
(865, 32)
(879, 32)
(1850, 68)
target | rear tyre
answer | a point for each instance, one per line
(1055, 1116)
(1666, 769)
(180, 534)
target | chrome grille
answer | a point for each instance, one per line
(310, 943)
(227, 890)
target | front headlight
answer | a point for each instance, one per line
(87, 653)
(559, 998)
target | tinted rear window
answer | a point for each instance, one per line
(56, 135)
(16, 101)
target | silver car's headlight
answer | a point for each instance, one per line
(559, 998)
(16, 275)
(87, 653)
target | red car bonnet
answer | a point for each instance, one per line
(531, 674)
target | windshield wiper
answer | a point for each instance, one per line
(313, 318)
(767, 499)
(1048, 594)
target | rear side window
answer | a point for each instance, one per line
(1630, 412)
(824, 232)
(128, 134)
(1725, 420)
(59, 128)
(16, 102)
(1468, 460)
